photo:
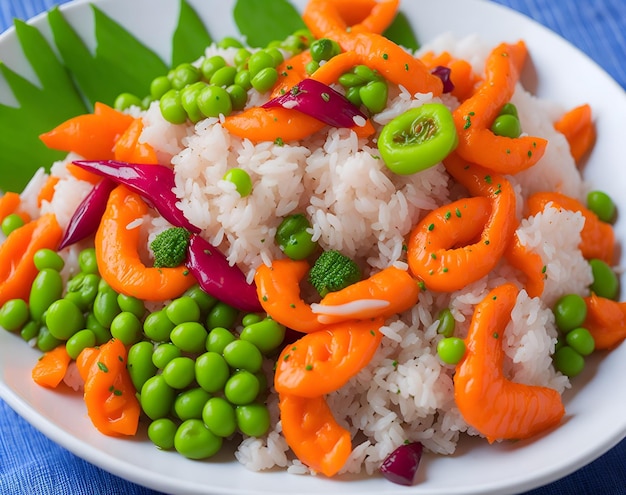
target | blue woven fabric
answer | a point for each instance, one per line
(31, 464)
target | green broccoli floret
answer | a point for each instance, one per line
(333, 271)
(170, 247)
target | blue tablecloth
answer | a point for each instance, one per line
(32, 464)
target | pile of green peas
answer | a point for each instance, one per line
(507, 122)
(365, 86)
(200, 381)
(213, 87)
(196, 363)
(575, 342)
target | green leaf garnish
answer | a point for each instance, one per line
(263, 21)
(190, 37)
(401, 33)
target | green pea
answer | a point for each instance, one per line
(210, 65)
(294, 238)
(602, 205)
(242, 388)
(305, 36)
(214, 101)
(30, 330)
(14, 314)
(212, 371)
(195, 441)
(64, 319)
(241, 57)
(238, 96)
(164, 353)
(126, 100)
(179, 372)
(241, 179)
(172, 107)
(183, 309)
(127, 328)
(276, 55)
(10, 223)
(350, 80)
(374, 95)
(218, 339)
(102, 333)
(139, 363)
(570, 312)
(229, 42)
(251, 318)
(506, 125)
(83, 290)
(184, 75)
(265, 79)
(451, 349)
(509, 109)
(157, 326)
(132, 305)
(568, 361)
(159, 86)
(48, 258)
(157, 397)
(294, 44)
(190, 403)
(204, 300)
(322, 49)
(79, 341)
(219, 417)
(366, 73)
(446, 323)
(87, 261)
(46, 341)
(253, 419)
(189, 336)
(46, 288)
(266, 334)
(189, 100)
(222, 315)
(605, 281)
(224, 76)
(353, 95)
(581, 340)
(161, 433)
(311, 67)
(258, 61)
(244, 79)
(242, 354)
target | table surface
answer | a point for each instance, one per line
(32, 464)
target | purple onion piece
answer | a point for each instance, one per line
(401, 465)
(155, 183)
(218, 278)
(443, 73)
(86, 218)
(320, 101)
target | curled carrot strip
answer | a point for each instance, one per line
(473, 118)
(50, 369)
(495, 406)
(17, 269)
(128, 148)
(430, 254)
(597, 237)
(322, 362)
(383, 294)
(529, 263)
(462, 74)
(46, 193)
(606, 321)
(578, 128)
(313, 433)
(109, 393)
(117, 253)
(278, 288)
(291, 72)
(9, 203)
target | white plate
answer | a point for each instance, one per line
(595, 419)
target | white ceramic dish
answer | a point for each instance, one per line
(595, 420)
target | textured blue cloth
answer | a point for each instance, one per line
(32, 464)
